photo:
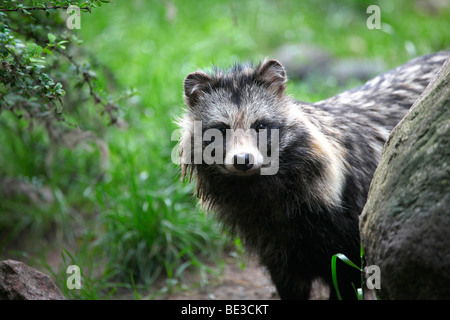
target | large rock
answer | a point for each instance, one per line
(21, 282)
(303, 62)
(405, 225)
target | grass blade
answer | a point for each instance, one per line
(346, 260)
(334, 276)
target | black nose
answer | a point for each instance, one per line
(243, 161)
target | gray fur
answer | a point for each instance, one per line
(298, 218)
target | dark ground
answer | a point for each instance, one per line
(251, 283)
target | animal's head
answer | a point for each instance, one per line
(239, 125)
(232, 119)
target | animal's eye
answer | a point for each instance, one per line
(222, 127)
(260, 126)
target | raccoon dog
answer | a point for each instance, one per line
(290, 178)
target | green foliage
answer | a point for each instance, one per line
(359, 292)
(44, 87)
(71, 180)
(34, 45)
(155, 230)
(86, 118)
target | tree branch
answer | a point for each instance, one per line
(42, 8)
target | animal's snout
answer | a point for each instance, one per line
(243, 161)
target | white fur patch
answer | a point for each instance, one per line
(327, 190)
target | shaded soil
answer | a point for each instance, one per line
(250, 283)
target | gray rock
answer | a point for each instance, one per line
(304, 61)
(21, 282)
(405, 225)
(362, 69)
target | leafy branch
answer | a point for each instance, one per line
(31, 81)
(55, 5)
(25, 9)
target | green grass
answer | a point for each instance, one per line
(123, 215)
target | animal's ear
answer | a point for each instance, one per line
(273, 74)
(194, 85)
